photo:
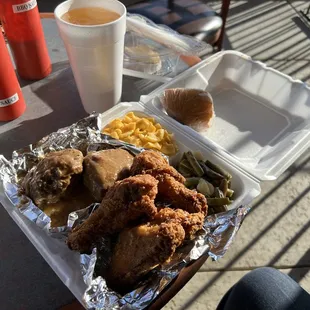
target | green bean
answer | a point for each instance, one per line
(192, 182)
(218, 193)
(194, 163)
(219, 170)
(209, 179)
(185, 172)
(208, 172)
(218, 201)
(229, 193)
(186, 164)
(181, 160)
(183, 157)
(224, 187)
(229, 183)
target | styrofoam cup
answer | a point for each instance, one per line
(95, 54)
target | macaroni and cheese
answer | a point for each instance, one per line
(142, 132)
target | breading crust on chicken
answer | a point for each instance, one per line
(170, 187)
(141, 249)
(153, 163)
(175, 193)
(191, 222)
(159, 232)
(129, 200)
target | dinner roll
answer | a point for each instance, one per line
(191, 107)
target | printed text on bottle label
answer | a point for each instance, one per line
(23, 7)
(9, 101)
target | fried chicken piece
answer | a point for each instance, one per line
(128, 201)
(170, 186)
(175, 193)
(102, 169)
(141, 249)
(48, 181)
(153, 163)
(191, 222)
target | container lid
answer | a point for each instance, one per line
(262, 122)
(144, 55)
(154, 49)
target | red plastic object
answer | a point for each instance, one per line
(12, 103)
(24, 32)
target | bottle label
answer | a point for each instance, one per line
(8, 101)
(23, 7)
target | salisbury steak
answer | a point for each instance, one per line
(102, 169)
(48, 181)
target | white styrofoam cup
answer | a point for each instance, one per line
(95, 54)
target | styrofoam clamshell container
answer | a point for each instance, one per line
(64, 262)
(246, 189)
(262, 126)
(262, 122)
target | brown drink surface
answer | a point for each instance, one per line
(90, 16)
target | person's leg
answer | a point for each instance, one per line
(265, 289)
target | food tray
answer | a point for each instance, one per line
(262, 119)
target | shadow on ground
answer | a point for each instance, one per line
(283, 42)
(295, 274)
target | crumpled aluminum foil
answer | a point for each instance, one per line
(219, 231)
(85, 135)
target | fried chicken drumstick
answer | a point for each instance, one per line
(175, 193)
(170, 187)
(141, 249)
(128, 201)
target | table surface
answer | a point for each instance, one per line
(27, 282)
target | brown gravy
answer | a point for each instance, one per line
(78, 199)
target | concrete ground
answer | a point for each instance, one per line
(277, 231)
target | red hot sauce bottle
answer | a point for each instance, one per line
(24, 32)
(12, 104)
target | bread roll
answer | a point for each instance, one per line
(142, 58)
(191, 107)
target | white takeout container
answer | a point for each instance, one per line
(246, 189)
(262, 122)
(65, 262)
(278, 127)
